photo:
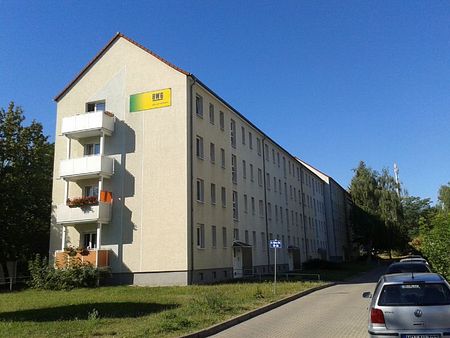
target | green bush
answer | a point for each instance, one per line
(436, 243)
(45, 277)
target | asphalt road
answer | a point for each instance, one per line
(338, 311)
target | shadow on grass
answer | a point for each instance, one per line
(86, 311)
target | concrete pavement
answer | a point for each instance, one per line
(338, 311)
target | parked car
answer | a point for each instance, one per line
(414, 259)
(410, 305)
(400, 267)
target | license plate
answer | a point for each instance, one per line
(421, 336)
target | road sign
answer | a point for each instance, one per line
(275, 243)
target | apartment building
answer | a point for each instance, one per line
(165, 183)
(337, 204)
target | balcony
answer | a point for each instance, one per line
(86, 167)
(88, 125)
(96, 258)
(100, 213)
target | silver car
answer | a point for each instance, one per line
(410, 305)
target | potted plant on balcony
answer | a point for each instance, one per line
(70, 251)
(82, 201)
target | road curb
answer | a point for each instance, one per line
(253, 313)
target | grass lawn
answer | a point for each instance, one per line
(127, 311)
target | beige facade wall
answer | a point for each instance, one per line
(148, 231)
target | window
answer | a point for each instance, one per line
(276, 213)
(224, 197)
(246, 236)
(289, 162)
(263, 241)
(290, 191)
(244, 169)
(245, 203)
(269, 210)
(91, 191)
(95, 106)
(250, 140)
(284, 167)
(275, 184)
(213, 236)
(281, 214)
(287, 217)
(213, 193)
(212, 152)
(222, 157)
(251, 172)
(243, 135)
(273, 156)
(199, 105)
(222, 120)
(90, 240)
(200, 190)
(253, 205)
(224, 237)
(234, 169)
(259, 176)
(91, 149)
(235, 234)
(201, 236)
(279, 186)
(233, 133)
(254, 239)
(268, 181)
(261, 208)
(285, 192)
(199, 147)
(211, 113)
(278, 159)
(266, 155)
(235, 206)
(258, 145)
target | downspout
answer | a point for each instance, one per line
(303, 210)
(265, 200)
(191, 184)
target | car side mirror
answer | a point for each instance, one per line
(367, 294)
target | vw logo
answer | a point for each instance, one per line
(418, 313)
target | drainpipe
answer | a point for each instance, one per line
(191, 184)
(303, 209)
(265, 199)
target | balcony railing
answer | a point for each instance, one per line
(86, 167)
(88, 125)
(100, 213)
(96, 258)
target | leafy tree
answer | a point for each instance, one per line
(415, 208)
(363, 189)
(435, 242)
(444, 197)
(377, 213)
(26, 166)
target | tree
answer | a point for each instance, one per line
(415, 208)
(377, 212)
(363, 190)
(444, 197)
(435, 242)
(26, 167)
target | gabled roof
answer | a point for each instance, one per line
(102, 52)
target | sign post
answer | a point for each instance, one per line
(275, 244)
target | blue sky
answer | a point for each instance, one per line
(334, 82)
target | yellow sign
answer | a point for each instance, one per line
(151, 100)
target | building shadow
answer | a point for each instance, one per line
(84, 311)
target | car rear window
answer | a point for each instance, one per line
(408, 267)
(411, 294)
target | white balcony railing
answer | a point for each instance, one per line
(100, 213)
(88, 125)
(86, 167)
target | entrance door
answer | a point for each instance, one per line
(237, 262)
(291, 260)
